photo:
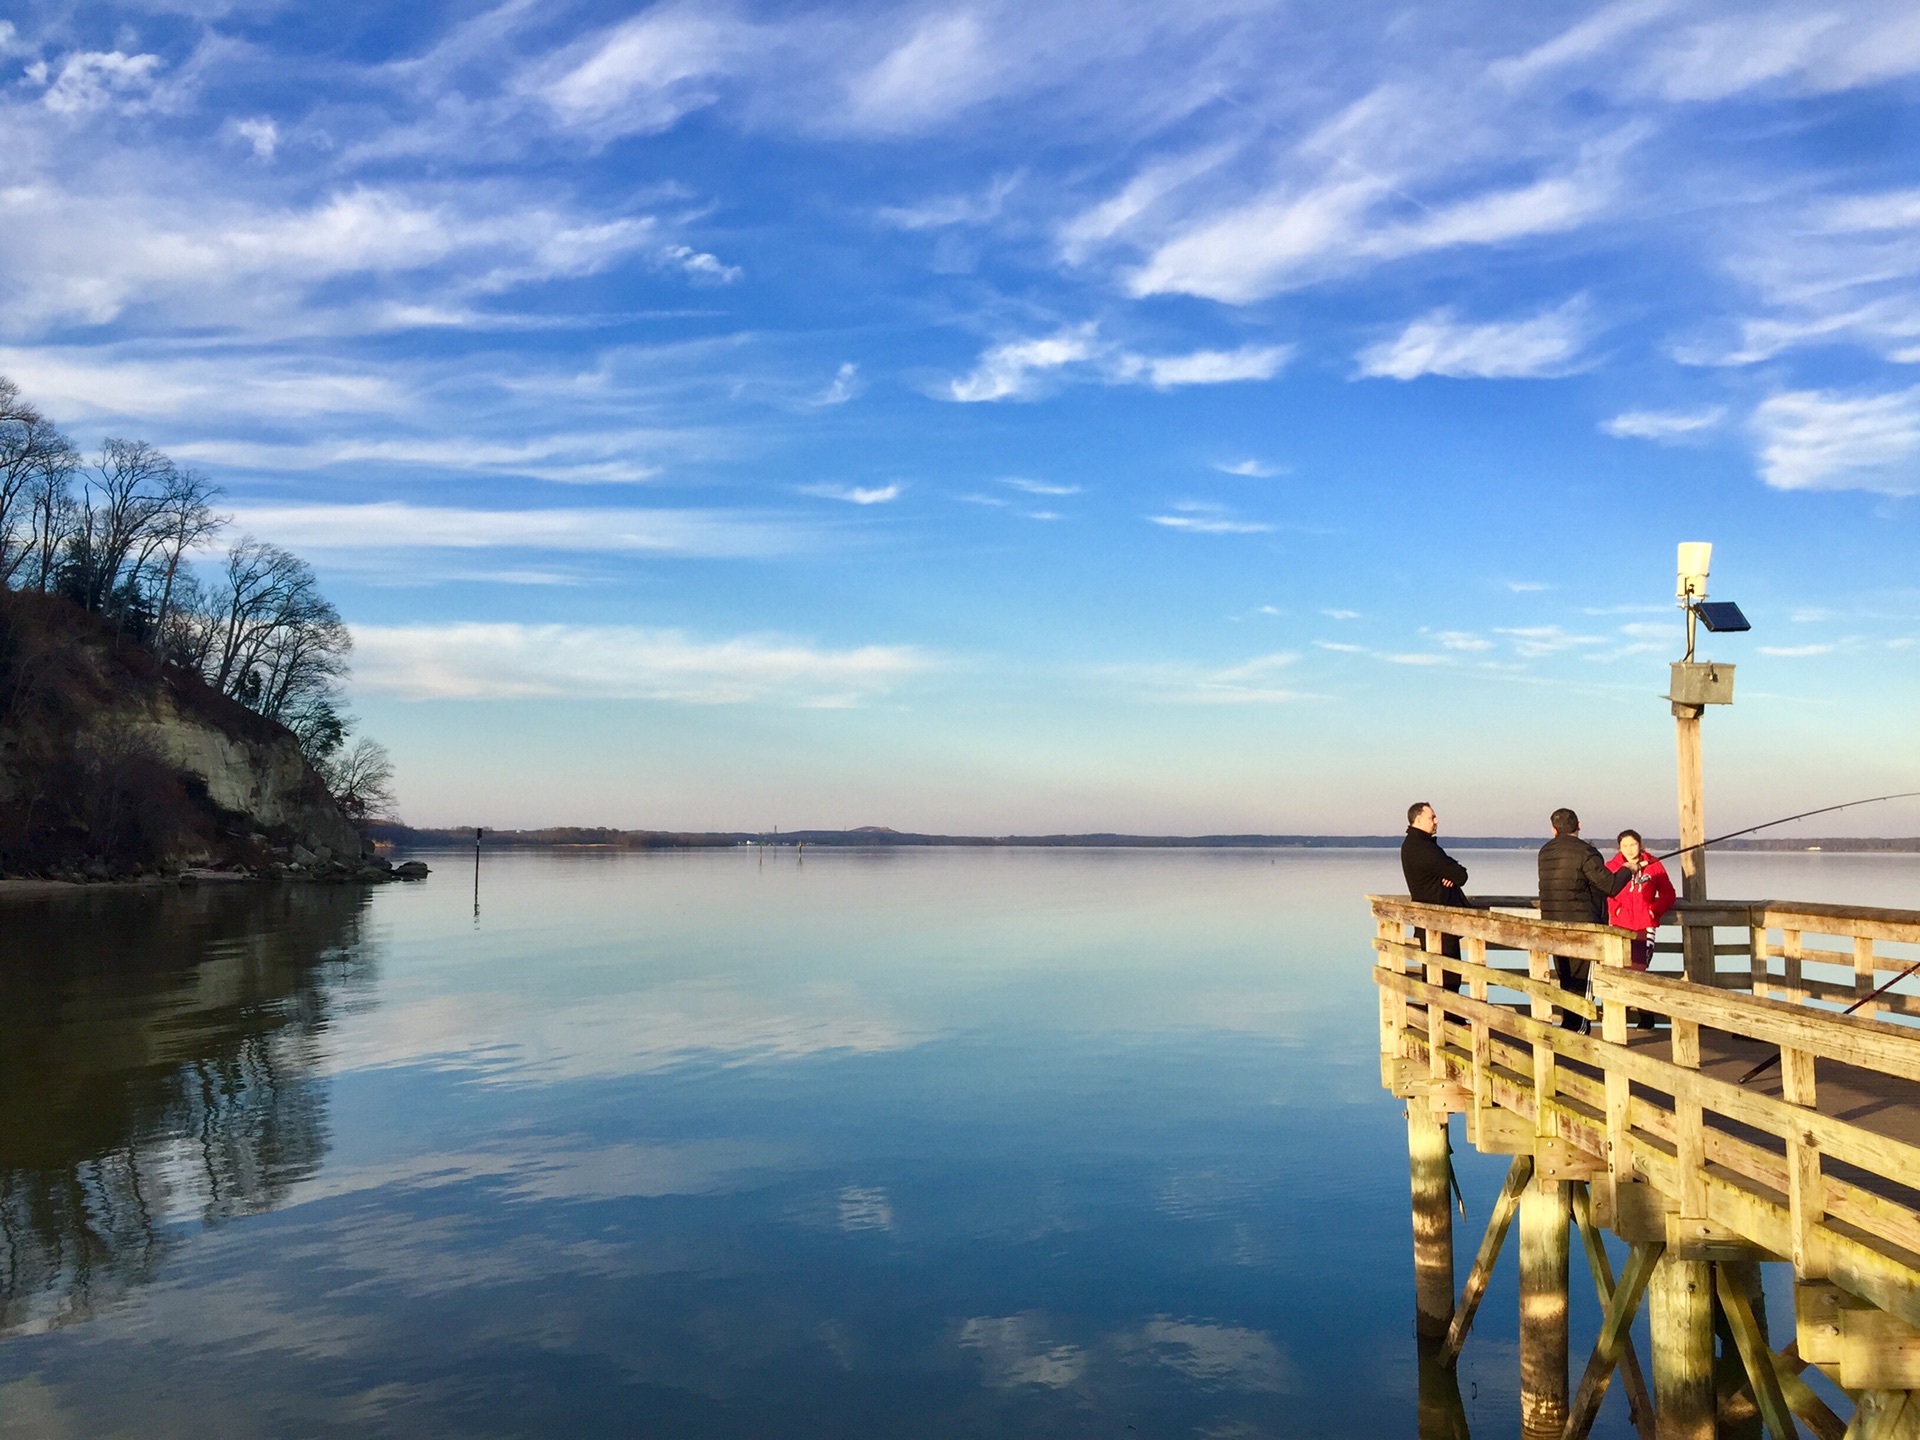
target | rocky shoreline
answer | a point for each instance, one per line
(294, 862)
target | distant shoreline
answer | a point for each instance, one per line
(871, 837)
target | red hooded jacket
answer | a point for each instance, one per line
(1641, 905)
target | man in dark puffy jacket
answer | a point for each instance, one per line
(1575, 884)
(1433, 877)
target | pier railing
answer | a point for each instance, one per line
(1734, 1115)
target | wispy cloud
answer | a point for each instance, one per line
(1663, 425)
(1546, 344)
(344, 531)
(1251, 682)
(1253, 469)
(1014, 371)
(1822, 440)
(1535, 641)
(473, 661)
(855, 494)
(1795, 652)
(1213, 367)
(845, 386)
(1039, 487)
(1200, 517)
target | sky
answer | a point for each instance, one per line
(1011, 418)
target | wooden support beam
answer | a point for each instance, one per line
(1878, 1351)
(1543, 1309)
(1680, 1317)
(1878, 1414)
(1428, 1166)
(1639, 1401)
(1802, 1400)
(1756, 1355)
(1518, 1174)
(1608, 1347)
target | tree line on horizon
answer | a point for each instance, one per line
(133, 537)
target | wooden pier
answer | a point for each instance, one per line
(1646, 1127)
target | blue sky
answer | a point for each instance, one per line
(1021, 417)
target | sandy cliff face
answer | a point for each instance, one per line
(267, 782)
(112, 761)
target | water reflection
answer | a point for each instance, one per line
(158, 1066)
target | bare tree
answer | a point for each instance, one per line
(122, 502)
(361, 780)
(183, 518)
(35, 461)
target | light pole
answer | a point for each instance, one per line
(1696, 685)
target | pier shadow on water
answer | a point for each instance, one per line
(157, 1075)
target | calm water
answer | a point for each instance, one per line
(879, 1144)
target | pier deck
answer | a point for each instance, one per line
(1656, 1135)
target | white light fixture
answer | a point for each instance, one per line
(1696, 556)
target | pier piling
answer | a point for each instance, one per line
(1544, 1250)
(1431, 1168)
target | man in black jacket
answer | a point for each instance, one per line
(1433, 877)
(1575, 884)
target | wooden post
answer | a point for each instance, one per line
(1543, 1308)
(1696, 941)
(1806, 1186)
(1680, 1316)
(1432, 1220)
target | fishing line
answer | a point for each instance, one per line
(1788, 819)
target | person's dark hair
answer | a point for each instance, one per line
(1634, 833)
(1413, 810)
(1564, 821)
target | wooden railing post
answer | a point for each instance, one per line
(1613, 1029)
(1436, 1016)
(1791, 988)
(1806, 1186)
(1545, 1122)
(1864, 974)
(1757, 949)
(1689, 1126)
(1474, 950)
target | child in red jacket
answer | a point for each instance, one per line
(1641, 906)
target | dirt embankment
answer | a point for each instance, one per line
(115, 765)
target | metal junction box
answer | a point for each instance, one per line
(1703, 683)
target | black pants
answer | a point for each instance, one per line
(1573, 979)
(1449, 950)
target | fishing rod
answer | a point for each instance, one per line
(1773, 1060)
(1787, 819)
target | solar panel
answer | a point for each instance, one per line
(1721, 615)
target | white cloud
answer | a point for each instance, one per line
(92, 80)
(346, 531)
(263, 135)
(1437, 344)
(700, 266)
(1821, 440)
(942, 68)
(1527, 587)
(1216, 367)
(1256, 469)
(1252, 682)
(1536, 641)
(577, 458)
(971, 209)
(845, 385)
(1011, 371)
(1341, 614)
(1663, 425)
(644, 74)
(1462, 640)
(1039, 487)
(854, 494)
(471, 661)
(1795, 652)
(1204, 524)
